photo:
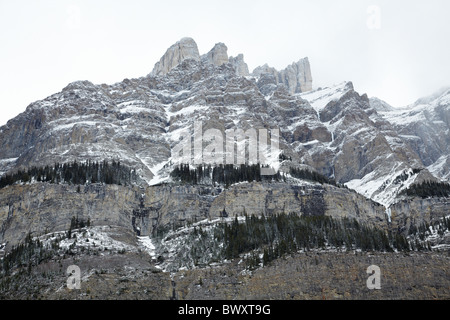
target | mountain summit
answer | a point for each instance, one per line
(187, 48)
(334, 130)
(296, 77)
(184, 49)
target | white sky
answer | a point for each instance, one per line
(396, 50)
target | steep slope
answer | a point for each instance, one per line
(336, 131)
(138, 121)
(425, 127)
(155, 236)
(87, 121)
(364, 152)
(296, 77)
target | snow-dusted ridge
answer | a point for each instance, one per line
(362, 142)
(321, 97)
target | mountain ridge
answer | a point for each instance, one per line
(317, 127)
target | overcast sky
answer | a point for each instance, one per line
(396, 50)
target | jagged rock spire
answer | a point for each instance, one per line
(184, 49)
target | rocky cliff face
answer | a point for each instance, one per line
(335, 131)
(239, 65)
(184, 49)
(425, 127)
(218, 55)
(361, 143)
(417, 211)
(296, 77)
(44, 208)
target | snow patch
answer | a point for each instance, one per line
(157, 176)
(319, 99)
(147, 243)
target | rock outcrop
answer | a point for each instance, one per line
(239, 64)
(187, 48)
(425, 127)
(42, 208)
(333, 130)
(217, 55)
(184, 49)
(296, 77)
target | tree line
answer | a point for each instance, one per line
(428, 189)
(74, 173)
(228, 174)
(306, 174)
(222, 174)
(278, 235)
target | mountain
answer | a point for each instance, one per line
(363, 143)
(365, 151)
(354, 158)
(425, 127)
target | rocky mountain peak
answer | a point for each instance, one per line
(333, 130)
(239, 64)
(296, 77)
(217, 55)
(184, 49)
(187, 48)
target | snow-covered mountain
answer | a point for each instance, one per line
(363, 143)
(425, 127)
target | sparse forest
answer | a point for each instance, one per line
(418, 235)
(428, 189)
(75, 173)
(260, 240)
(311, 175)
(229, 174)
(282, 234)
(221, 174)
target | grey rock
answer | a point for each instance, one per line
(239, 64)
(217, 55)
(184, 49)
(296, 77)
(45, 208)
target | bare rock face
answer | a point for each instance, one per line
(365, 144)
(217, 55)
(258, 71)
(296, 77)
(239, 64)
(267, 83)
(184, 49)
(333, 130)
(42, 207)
